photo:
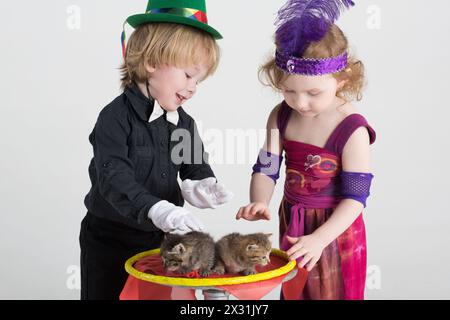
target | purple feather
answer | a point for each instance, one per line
(301, 22)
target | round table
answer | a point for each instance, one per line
(147, 267)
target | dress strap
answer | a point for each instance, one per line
(283, 118)
(345, 129)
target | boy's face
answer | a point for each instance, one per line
(172, 86)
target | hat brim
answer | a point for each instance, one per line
(138, 19)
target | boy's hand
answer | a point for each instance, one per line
(206, 193)
(170, 218)
(254, 211)
(310, 247)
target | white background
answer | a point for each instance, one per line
(56, 76)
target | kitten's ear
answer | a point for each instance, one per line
(252, 247)
(268, 235)
(178, 249)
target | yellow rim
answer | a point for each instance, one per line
(196, 282)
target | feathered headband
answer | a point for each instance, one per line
(301, 22)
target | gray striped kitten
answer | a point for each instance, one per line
(236, 253)
(185, 253)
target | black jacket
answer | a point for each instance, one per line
(132, 167)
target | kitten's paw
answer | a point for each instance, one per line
(205, 272)
(248, 272)
(184, 271)
(219, 270)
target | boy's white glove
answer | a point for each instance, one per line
(206, 193)
(170, 218)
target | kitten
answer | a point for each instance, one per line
(236, 253)
(186, 253)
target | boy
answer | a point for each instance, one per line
(135, 197)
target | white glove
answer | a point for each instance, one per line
(206, 193)
(170, 218)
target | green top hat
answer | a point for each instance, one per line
(187, 12)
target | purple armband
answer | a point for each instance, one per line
(356, 186)
(268, 164)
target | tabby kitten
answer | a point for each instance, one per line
(186, 253)
(236, 253)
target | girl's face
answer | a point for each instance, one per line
(172, 86)
(310, 95)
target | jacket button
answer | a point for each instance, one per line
(163, 175)
(106, 164)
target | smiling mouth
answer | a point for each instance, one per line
(180, 98)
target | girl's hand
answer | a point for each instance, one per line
(254, 211)
(310, 247)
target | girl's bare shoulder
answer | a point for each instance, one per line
(347, 109)
(273, 116)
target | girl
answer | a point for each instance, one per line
(135, 196)
(326, 144)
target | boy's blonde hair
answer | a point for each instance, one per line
(167, 44)
(333, 44)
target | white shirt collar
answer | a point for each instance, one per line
(158, 111)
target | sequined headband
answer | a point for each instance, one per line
(311, 66)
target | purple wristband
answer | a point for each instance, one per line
(268, 164)
(356, 186)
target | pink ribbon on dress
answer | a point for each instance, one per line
(296, 227)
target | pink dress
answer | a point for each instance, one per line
(311, 193)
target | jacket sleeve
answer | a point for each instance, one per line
(197, 166)
(115, 171)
